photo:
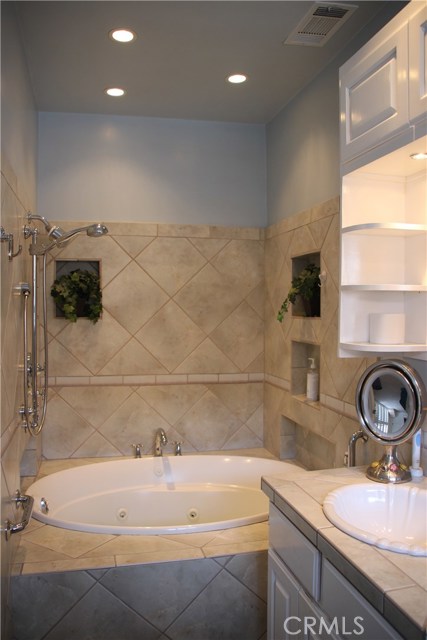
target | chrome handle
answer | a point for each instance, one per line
(138, 449)
(8, 237)
(26, 502)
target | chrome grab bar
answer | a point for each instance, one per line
(25, 410)
(26, 502)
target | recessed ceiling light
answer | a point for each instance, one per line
(419, 156)
(115, 92)
(237, 78)
(122, 35)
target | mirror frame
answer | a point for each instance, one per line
(416, 395)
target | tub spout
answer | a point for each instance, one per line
(351, 451)
(160, 442)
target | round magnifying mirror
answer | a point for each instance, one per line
(389, 401)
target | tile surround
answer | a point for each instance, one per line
(182, 327)
(171, 356)
(322, 429)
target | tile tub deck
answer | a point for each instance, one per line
(45, 549)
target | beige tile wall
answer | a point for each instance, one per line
(187, 310)
(13, 438)
(180, 344)
(315, 433)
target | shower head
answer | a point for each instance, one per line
(96, 230)
(60, 237)
(92, 230)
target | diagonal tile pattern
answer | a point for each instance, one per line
(314, 230)
(108, 586)
(183, 307)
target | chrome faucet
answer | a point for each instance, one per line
(350, 456)
(161, 441)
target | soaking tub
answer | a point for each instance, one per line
(157, 495)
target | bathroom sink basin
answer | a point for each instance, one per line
(387, 516)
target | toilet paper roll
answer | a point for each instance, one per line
(387, 328)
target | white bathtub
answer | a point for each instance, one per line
(152, 495)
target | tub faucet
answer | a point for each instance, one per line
(161, 441)
(350, 456)
(178, 448)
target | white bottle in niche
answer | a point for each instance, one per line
(312, 382)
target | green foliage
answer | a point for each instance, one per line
(306, 285)
(78, 289)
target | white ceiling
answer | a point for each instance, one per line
(177, 66)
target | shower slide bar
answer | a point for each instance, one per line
(33, 413)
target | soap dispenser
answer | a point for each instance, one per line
(312, 381)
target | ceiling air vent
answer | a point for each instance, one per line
(320, 23)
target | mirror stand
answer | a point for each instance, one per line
(389, 468)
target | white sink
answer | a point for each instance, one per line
(388, 516)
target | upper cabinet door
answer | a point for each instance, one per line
(374, 94)
(418, 66)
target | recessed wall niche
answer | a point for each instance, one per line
(65, 267)
(300, 354)
(305, 308)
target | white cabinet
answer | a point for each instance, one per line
(374, 95)
(384, 253)
(308, 598)
(383, 96)
(418, 67)
(283, 600)
(383, 89)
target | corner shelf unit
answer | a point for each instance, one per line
(384, 255)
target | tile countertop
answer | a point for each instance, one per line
(395, 584)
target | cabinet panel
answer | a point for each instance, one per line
(339, 597)
(373, 95)
(315, 625)
(282, 599)
(418, 65)
(302, 558)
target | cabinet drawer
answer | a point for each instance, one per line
(300, 556)
(338, 598)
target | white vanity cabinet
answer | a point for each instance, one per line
(308, 598)
(383, 88)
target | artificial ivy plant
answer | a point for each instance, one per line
(306, 284)
(78, 294)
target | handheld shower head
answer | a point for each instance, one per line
(96, 230)
(92, 230)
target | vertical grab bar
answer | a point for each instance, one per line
(24, 409)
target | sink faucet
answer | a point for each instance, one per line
(161, 441)
(351, 451)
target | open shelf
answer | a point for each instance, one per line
(385, 287)
(379, 348)
(381, 228)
